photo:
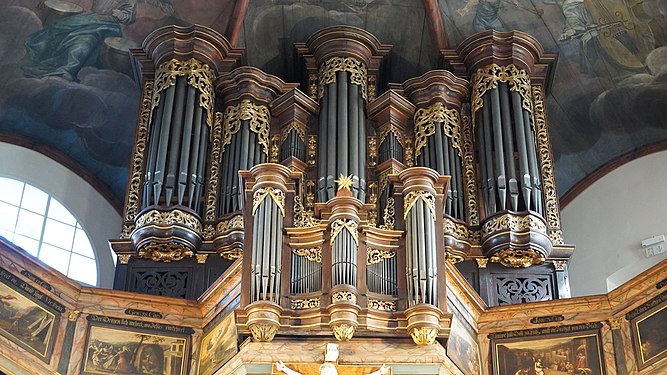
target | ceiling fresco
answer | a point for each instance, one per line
(66, 80)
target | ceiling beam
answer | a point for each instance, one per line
(435, 20)
(236, 22)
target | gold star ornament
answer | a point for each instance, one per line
(344, 182)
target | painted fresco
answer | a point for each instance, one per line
(66, 75)
(572, 350)
(609, 94)
(650, 336)
(218, 345)
(462, 345)
(26, 323)
(119, 349)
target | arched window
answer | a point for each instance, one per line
(42, 226)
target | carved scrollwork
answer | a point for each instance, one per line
(155, 217)
(313, 254)
(388, 217)
(381, 305)
(454, 258)
(517, 258)
(546, 160)
(263, 332)
(232, 254)
(470, 177)
(136, 172)
(377, 255)
(259, 118)
(302, 304)
(277, 195)
(216, 150)
(356, 68)
(312, 150)
(460, 231)
(523, 289)
(426, 119)
(302, 217)
(235, 222)
(165, 252)
(126, 231)
(487, 78)
(409, 153)
(339, 224)
(200, 76)
(124, 258)
(384, 132)
(411, 198)
(299, 128)
(343, 296)
(514, 223)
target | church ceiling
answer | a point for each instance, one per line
(66, 81)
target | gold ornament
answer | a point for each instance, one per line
(259, 117)
(124, 258)
(232, 254)
(302, 304)
(381, 305)
(73, 315)
(343, 296)
(166, 218)
(302, 217)
(313, 254)
(344, 182)
(424, 335)
(165, 252)
(487, 78)
(388, 217)
(339, 224)
(426, 119)
(469, 174)
(235, 222)
(263, 332)
(343, 332)
(277, 195)
(412, 197)
(216, 153)
(517, 258)
(376, 255)
(136, 170)
(356, 68)
(514, 223)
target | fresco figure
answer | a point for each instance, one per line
(65, 46)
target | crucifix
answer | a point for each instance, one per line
(329, 365)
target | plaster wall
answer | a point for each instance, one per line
(609, 220)
(96, 215)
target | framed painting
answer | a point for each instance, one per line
(28, 317)
(124, 346)
(649, 331)
(564, 350)
(462, 346)
(219, 343)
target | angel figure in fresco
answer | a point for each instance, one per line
(65, 46)
(486, 13)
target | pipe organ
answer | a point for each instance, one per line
(344, 201)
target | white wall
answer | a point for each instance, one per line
(608, 221)
(96, 215)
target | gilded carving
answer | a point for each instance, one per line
(232, 254)
(377, 255)
(556, 237)
(165, 252)
(216, 151)
(277, 195)
(371, 88)
(356, 68)
(263, 332)
(381, 305)
(409, 153)
(126, 231)
(339, 224)
(235, 222)
(259, 118)
(460, 231)
(426, 119)
(454, 258)
(209, 231)
(487, 78)
(343, 296)
(424, 335)
(514, 223)
(136, 172)
(73, 315)
(388, 218)
(372, 151)
(615, 323)
(384, 132)
(199, 76)
(201, 258)
(313, 254)
(559, 265)
(124, 258)
(412, 197)
(302, 217)
(275, 148)
(470, 177)
(297, 127)
(546, 159)
(175, 216)
(517, 258)
(312, 150)
(343, 332)
(344, 182)
(312, 86)
(482, 262)
(302, 304)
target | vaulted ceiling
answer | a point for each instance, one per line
(608, 101)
